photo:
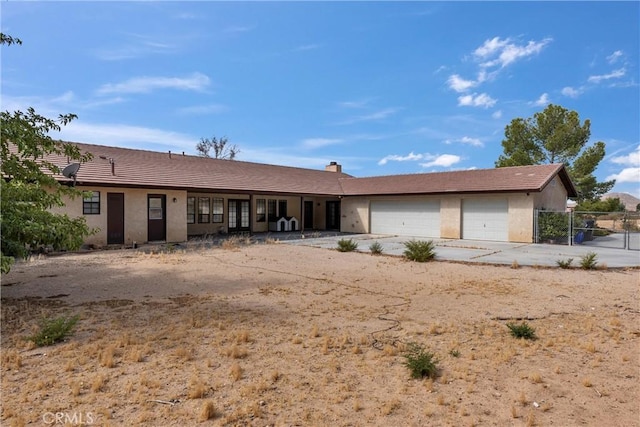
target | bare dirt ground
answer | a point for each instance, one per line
(279, 335)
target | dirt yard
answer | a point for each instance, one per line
(280, 335)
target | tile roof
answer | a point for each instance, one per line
(161, 170)
(152, 169)
(509, 179)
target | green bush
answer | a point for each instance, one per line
(420, 362)
(375, 248)
(588, 261)
(54, 330)
(564, 263)
(419, 250)
(523, 330)
(347, 245)
(553, 226)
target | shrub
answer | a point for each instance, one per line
(419, 250)
(588, 261)
(564, 263)
(420, 362)
(347, 245)
(375, 248)
(54, 330)
(523, 330)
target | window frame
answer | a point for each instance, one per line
(191, 216)
(261, 210)
(204, 217)
(272, 212)
(217, 210)
(90, 206)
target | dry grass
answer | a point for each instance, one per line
(208, 410)
(236, 371)
(197, 388)
(282, 345)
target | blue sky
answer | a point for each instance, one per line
(382, 88)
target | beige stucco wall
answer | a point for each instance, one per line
(553, 197)
(520, 218)
(356, 215)
(135, 214)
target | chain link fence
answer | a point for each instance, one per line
(600, 229)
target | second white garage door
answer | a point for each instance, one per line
(484, 219)
(406, 218)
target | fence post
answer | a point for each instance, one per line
(570, 233)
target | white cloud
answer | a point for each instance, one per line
(320, 142)
(396, 158)
(126, 136)
(482, 100)
(490, 47)
(616, 74)
(501, 53)
(459, 84)
(631, 159)
(475, 142)
(443, 160)
(471, 141)
(355, 104)
(203, 109)
(613, 58)
(378, 115)
(497, 114)
(136, 46)
(542, 101)
(626, 175)
(571, 92)
(195, 82)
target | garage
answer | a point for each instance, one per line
(406, 218)
(485, 219)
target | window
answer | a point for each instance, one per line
(191, 210)
(272, 210)
(282, 208)
(218, 210)
(91, 204)
(203, 210)
(261, 210)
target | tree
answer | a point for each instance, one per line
(612, 204)
(28, 189)
(555, 135)
(219, 146)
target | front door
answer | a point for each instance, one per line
(308, 215)
(157, 218)
(333, 215)
(115, 218)
(239, 215)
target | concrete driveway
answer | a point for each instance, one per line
(482, 251)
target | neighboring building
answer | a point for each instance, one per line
(144, 196)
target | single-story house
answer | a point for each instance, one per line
(146, 196)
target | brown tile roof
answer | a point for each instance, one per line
(152, 169)
(510, 179)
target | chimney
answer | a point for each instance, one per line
(333, 167)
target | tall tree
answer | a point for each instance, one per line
(28, 189)
(219, 147)
(556, 135)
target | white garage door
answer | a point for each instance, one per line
(404, 218)
(484, 219)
